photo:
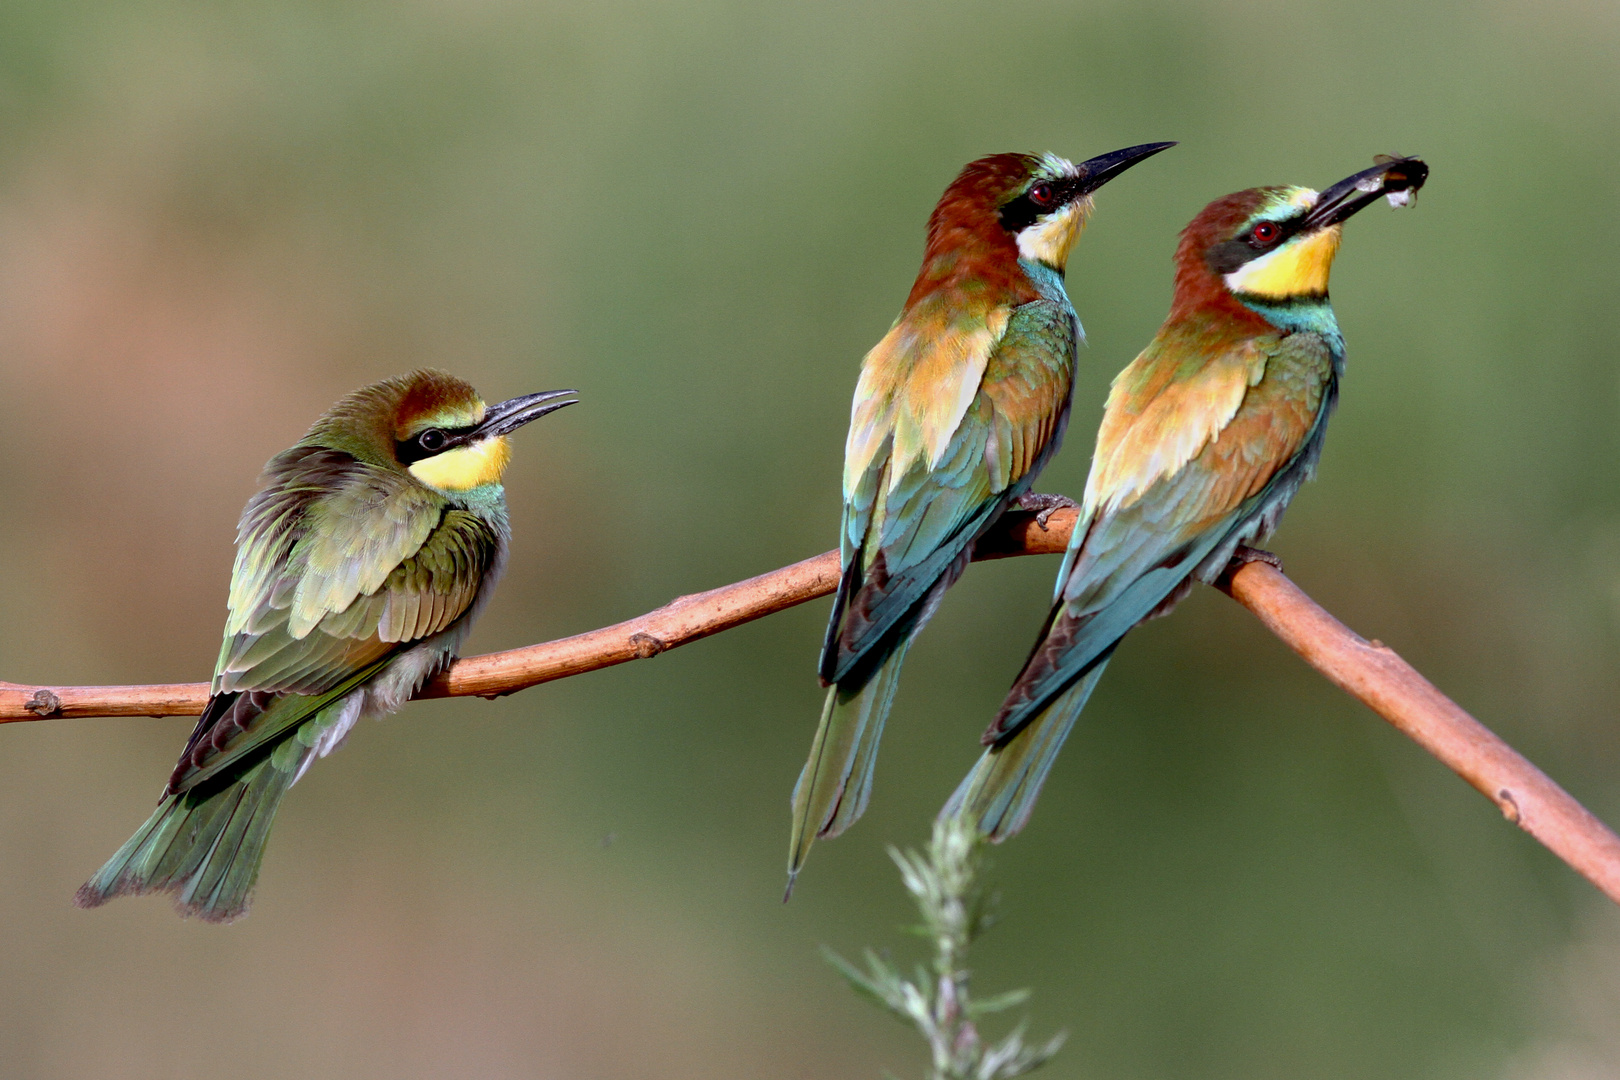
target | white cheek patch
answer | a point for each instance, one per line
(1048, 241)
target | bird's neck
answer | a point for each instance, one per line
(1202, 299)
(1047, 280)
(487, 501)
(1301, 314)
(971, 264)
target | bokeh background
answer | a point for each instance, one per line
(217, 218)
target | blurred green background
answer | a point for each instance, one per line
(217, 218)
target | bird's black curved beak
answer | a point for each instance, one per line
(1099, 170)
(1390, 176)
(512, 414)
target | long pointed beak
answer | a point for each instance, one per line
(1099, 170)
(1390, 176)
(508, 416)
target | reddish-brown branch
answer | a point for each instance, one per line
(1374, 674)
(1369, 671)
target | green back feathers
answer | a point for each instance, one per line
(344, 564)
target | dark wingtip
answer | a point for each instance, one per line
(793, 878)
(217, 916)
(999, 730)
(88, 897)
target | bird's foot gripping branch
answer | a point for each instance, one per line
(1371, 672)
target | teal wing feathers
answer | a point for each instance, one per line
(1130, 557)
(909, 519)
(947, 430)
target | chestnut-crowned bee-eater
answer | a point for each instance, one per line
(1205, 438)
(956, 411)
(360, 566)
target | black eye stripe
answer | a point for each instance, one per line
(412, 450)
(1228, 255)
(1022, 212)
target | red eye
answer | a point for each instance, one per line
(1266, 232)
(1041, 194)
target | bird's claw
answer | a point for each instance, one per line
(1244, 554)
(1045, 505)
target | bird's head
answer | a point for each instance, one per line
(1007, 207)
(433, 426)
(1046, 201)
(1272, 248)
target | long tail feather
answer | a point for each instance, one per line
(837, 779)
(999, 793)
(204, 848)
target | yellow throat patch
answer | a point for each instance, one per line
(1298, 268)
(465, 467)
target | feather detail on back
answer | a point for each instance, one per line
(904, 527)
(1123, 565)
(423, 594)
(915, 387)
(1162, 413)
(326, 529)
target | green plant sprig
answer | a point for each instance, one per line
(944, 882)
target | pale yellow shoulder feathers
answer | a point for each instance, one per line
(915, 387)
(1155, 423)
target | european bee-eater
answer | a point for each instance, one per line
(360, 566)
(1205, 438)
(956, 411)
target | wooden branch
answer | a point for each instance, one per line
(1368, 670)
(492, 675)
(1375, 675)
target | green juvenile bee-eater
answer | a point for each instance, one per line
(956, 411)
(360, 566)
(1205, 438)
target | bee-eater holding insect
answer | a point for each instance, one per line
(360, 567)
(1205, 438)
(956, 411)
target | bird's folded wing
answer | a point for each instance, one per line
(270, 678)
(909, 514)
(1141, 535)
(325, 530)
